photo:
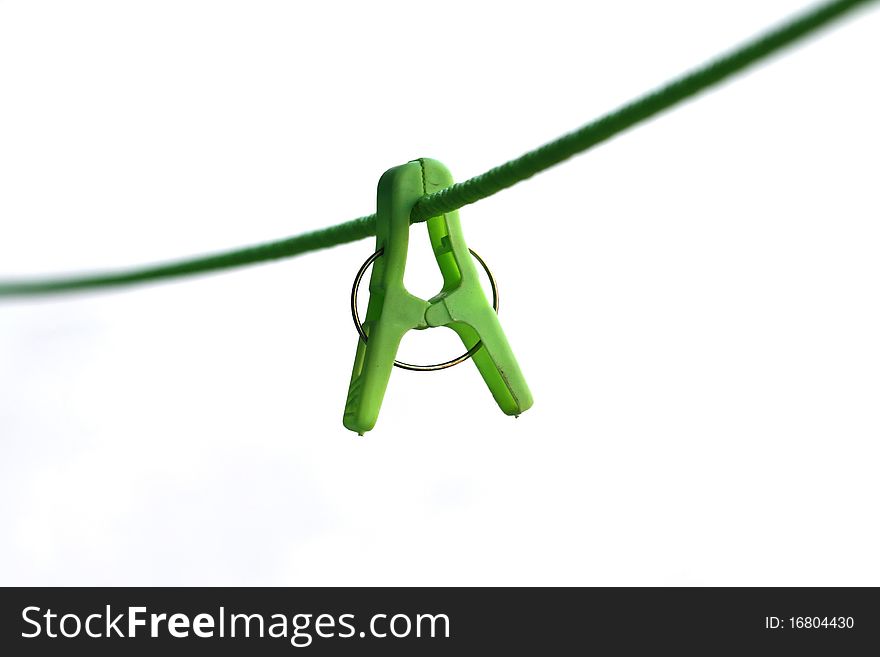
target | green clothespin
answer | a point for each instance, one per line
(461, 305)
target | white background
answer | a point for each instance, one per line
(694, 303)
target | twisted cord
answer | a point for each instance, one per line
(478, 187)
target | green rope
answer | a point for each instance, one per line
(350, 231)
(582, 139)
(481, 186)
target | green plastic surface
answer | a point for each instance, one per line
(461, 305)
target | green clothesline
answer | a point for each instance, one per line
(481, 186)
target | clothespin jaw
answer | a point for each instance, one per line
(461, 305)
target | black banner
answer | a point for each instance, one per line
(413, 621)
